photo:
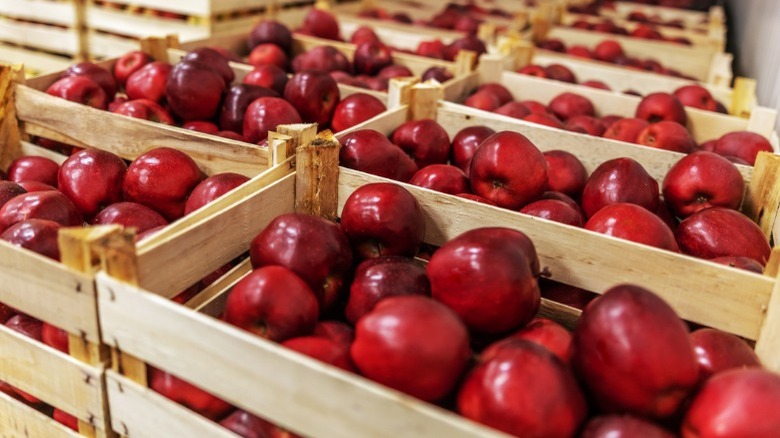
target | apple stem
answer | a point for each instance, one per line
(544, 273)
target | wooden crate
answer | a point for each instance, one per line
(704, 125)
(710, 21)
(308, 397)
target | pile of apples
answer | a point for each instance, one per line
(697, 215)
(462, 332)
(660, 119)
(643, 31)
(612, 52)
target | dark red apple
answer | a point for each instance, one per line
(500, 91)
(188, 395)
(580, 51)
(372, 152)
(38, 235)
(102, 76)
(623, 426)
(128, 64)
(50, 205)
(212, 188)
(442, 178)
(354, 109)
(80, 89)
(509, 170)
(544, 119)
(314, 248)
(336, 331)
(487, 276)
(469, 42)
(633, 353)
(718, 351)
(718, 232)
(212, 59)
(149, 82)
(483, 100)
(657, 107)
(627, 129)
(55, 337)
(412, 344)
(270, 31)
(549, 334)
(554, 210)
(745, 263)
(566, 173)
(9, 190)
(395, 71)
(130, 215)
(323, 349)
(265, 114)
(268, 76)
(667, 135)
(236, 102)
(325, 58)
(533, 70)
(440, 74)
(513, 109)
(144, 109)
(701, 180)
(201, 126)
(465, 143)
(567, 105)
(161, 179)
(370, 57)
(585, 124)
(268, 54)
(634, 223)
(619, 180)
(742, 144)
(560, 72)
(424, 140)
(363, 34)
(194, 91)
(608, 51)
(323, 24)
(596, 84)
(33, 168)
(314, 94)
(246, 425)
(92, 179)
(431, 49)
(35, 186)
(696, 96)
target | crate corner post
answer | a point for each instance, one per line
(317, 176)
(11, 135)
(768, 343)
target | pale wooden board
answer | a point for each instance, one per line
(265, 378)
(692, 19)
(52, 376)
(768, 345)
(42, 11)
(61, 296)
(197, 248)
(140, 412)
(34, 61)
(701, 291)
(129, 137)
(47, 38)
(18, 420)
(139, 26)
(202, 7)
(33, 149)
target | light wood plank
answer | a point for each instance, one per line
(52, 376)
(18, 420)
(257, 382)
(700, 291)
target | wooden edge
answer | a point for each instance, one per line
(720, 72)
(762, 121)
(157, 47)
(465, 61)
(317, 176)
(205, 300)
(763, 194)
(81, 28)
(768, 343)
(565, 315)
(300, 134)
(399, 91)
(10, 135)
(487, 32)
(424, 100)
(744, 97)
(491, 68)
(20, 420)
(277, 146)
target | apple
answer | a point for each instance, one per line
(565, 294)
(50, 205)
(622, 426)
(438, 73)
(585, 124)
(533, 70)
(270, 31)
(442, 178)
(667, 135)
(55, 337)
(552, 44)
(596, 84)
(100, 75)
(735, 403)
(395, 71)
(66, 419)
(534, 106)
(657, 107)
(487, 276)
(719, 232)
(235, 104)
(633, 353)
(627, 129)
(566, 173)
(609, 120)
(517, 387)
(322, 24)
(363, 34)
(355, 109)
(268, 76)
(696, 96)
(314, 94)
(608, 51)
(431, 49)
(580, 52)
(212, 188)
(268, 54)
(560, 72)
(92, 179)
(370, 151)
(702, 180)
(619, 180)
(412, 344)
(742, 144)
(274, 303)
(149, 82)
(80, 89)
(632, 222)
(188, 395)
(194, 91)
(513, 109)
(130, 215)
(325, 58)
(465, 143)
(500, 91)
(315, 249)
(265, 114)
(9, 190)
(336, 331)
(370, 57)
(38, 235)
(161, 179)
(33, 168)
(35, 186)
(246, 425)
(484, 100)
(468, 42)
(211, 59)
(424, 140)
(323, 349)
(544, 119)
(554, 210)
(717, 351)
(549, 334)
(567, 105)
(128, 64)
(144, 109)
(509, 170)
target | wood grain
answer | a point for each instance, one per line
(17, 420)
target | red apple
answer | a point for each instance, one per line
(128, 64)
(268, 54)
(370, 57)
(354, 109)
(35, 186)
(742, 144)
(66, 419)
(323, 24)
(552, 44)
(718, 351)
(38, 235)
(440, 74)
(534, 106)
(212, 188)
(55, 337)
(161, 179)
(657, 107)
(201, 126)
(270, 31)
(465, 143)
(487, 276)
(623, 426)
(325, 58)
(314, 94)
(500, 91)
(130, 215)
(80, 89)
(144, 109)
(667, 135)
(513, 109)
(745, 263)
(372, 152)
(235, 104)
(702, 180)
(335, 331)
(596, 84)
(149, 82)
(268, 76)
(92, 179)
(509, 170)
(265, 114)
(719, 232)
(619, 180)
(634, 223)
(627, 129)
(469, 42)
(395, 71)
(544, 119)
(424, 140)
(608, 51)
(585, 124)
(314, 248)
(566, 173)
(735, 403)
(518, 387)
(100, 75)
(194, 90)
(696, 96)
(580, 52)
(483, 100)
(50, 205)
(33, 168)
(6, 312)
(554, 210)
(9, 190)
(442, 178)
(211, 59)
(431, 49)
(188, 395)
(633, 353)
(363, 34)
(412, 344)
(567, 105)
(323, 349)
(549, 334)
(560, 72)
(533, 70)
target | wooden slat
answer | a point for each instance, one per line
(52, 376)
(768, 344)
(316, 176)
(128, 137)
(764, 193)
(256, 382)
(211, 300)
(17, 420)
(700, 291)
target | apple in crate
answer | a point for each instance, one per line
(92, 179)
(144, 109)
(518, 387)
(128, 64)
(412, 344)
(627, 129)
(701, 180)
(371, 57)
(265, 114)
(442, 178)
(30, 327)
(555, 210)
(657, 107)
(325, 58)
(130, 215)
(633, 353)
(323, 349)
(188, 395)
(719, 232)
(270, 31)
(103, 77)
(619, 180)
(149, 82)
(66, 419)
(212, 188)
(268, 76)
(314, 94)
(371, 151)
(80, 89)
(38, 235)
(314, 248)
(50, 205)
(568, 105)
(194, 91)
(354, 109)
(236, 102)
(268, 54)
(696, 96)
(9, 190)
(321, 23)
(623, 426)
(667, 135)
(213, 60)
(465, 143)
(635, 223)
(742, 144)
(33, 168)
(549, 334)
(718, 351)
(488, 277)
(565, 173)
(246, 425)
